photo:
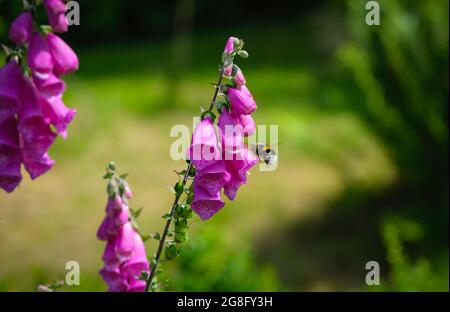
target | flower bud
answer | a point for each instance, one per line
(64, 58)
(21, 28)
(39, 57)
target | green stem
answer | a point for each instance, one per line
(175, 202)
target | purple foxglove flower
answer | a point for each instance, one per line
(107, 229)
(213, 178)
(10, 77)
(114, 279)
(242, 102)
(124, 257)
(204, 204)
(125, 242)
(10, 155)
(57, 114)
(49, 85)
(248, 124)
(229, 46)
(122, 216)
(114, 205)
(231, 135)
(137, 264)
(238, 169)
(136, 285)
(58, 22)
(56, 12)
(21, 28)
(128, 192)
(37, 166)
(36, 135)
(239, 79)
(109, 257)
(55, 6)
(64, 58)
(204, 149)
(39, 57)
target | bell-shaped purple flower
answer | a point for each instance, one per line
(39, 57)
(56, 113)
(247, 124)
(125, 257)
(10, 77)
(241, 100)
(134, 267)
(109, 257)
(107, 229)
(56, 12)
(21, 29)
(49, 85)
(238, 168)
(204, 149)
(10, 155)
(239, 79)
(205, 204)
(36, 135)
(213, 178)
(231, 135)
(229, 46)
(125, 242)
(64, 58)
(113, 278)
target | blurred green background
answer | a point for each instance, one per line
(363, 165)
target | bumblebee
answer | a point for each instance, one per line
(265, 153)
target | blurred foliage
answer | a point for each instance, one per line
(407, 275)
(401, 68)
(215, 262)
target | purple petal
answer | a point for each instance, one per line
(204, 204)
(21, 28)
(64, 58)
(10, 77)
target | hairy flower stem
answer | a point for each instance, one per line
(176, 200)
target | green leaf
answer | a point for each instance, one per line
(7, 50)
(180, 227)
(144, 276)
(156, 236)
(243, 54)
(188, 213)
(178, 211)
(166, 216)
(190, 198)
(171, 251)
(108, 175)
(136, 213)
(181, 237)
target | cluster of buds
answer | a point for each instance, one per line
(32, 113)
(219, 154)
(125, 259)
